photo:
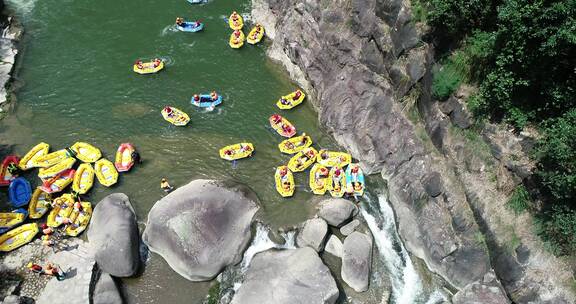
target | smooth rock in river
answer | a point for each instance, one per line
(350, 227)
(287, 277)
(336, 211)
(334, 246)
(312, 234)
(486, 291)
(202, 227)
(113, 236)
(106, 291)
(357, 261)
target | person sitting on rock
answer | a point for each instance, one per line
(47, 241)
(54, 270)
(164, 185)
(34, 268)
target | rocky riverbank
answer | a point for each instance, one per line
(367, 70)
(11, 33)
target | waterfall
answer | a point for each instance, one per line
(405, 280)
(262, 242)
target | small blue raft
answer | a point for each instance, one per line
(19, 192)
(356, 179)
(190, 27)
(206, 101)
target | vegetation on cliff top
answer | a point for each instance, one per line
(522, 56)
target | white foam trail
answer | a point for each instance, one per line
(406, 284)
(262, 242)
(436, 298)
(22, 7)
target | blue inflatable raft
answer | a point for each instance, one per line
(206, 101)
(19, 192)
(355, 182)
(190, 27)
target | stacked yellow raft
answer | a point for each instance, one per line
(11, 219)
(256, 34)
(39, 204)
(28, 161)
(148, 68)
(57, 168)
(237, 151)
(284, 181)
(51, 159)
(18, 237)
(63, 206)
(236, 42)
(331, 159)
(106, 172)
(79, 220)
(319, 179)
(302, 160)
(295, 144)
(83, 179)
(86, 152)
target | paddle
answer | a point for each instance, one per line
(234, 164)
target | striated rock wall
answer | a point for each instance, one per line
(366, 69)
(10, 35)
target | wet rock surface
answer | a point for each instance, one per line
(313, 234)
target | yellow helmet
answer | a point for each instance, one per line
(29, 264)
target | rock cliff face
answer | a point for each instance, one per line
(365, 67)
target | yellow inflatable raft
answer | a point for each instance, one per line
(83, 179)
(106, 172)
(302, 160)
(175, 116)
(86, 152)
(254, 37)
(236, 42)
(337, 182)
(148, 68)
(331, 159)
(319, 179)
(63, 206)
(289, 101)
(11, 219)
(18, 237)
(51, 159)
(295, 144)
(284, 181)
(27, 162)
(237, 151)
(238, 24)
(57, 168)
(79, 220)
(39, 204)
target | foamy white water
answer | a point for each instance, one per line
(262, 242)
(405, 281)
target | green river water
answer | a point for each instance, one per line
(75, 83)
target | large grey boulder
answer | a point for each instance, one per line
(350, 227)
(106, 291)
(334, 246)
(113, 236)
(336, 211)
(357, 261)
(287, 277)
(312, 234)
(202, 227)
(485, 291)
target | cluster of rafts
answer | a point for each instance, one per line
(330, 171)
(56, 171)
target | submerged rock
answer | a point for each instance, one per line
(286, 277)
(113, 236)
(486, 291)
(313, 234)
(357, 261)
(336, 211)
(202, 227)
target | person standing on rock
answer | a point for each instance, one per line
(164, 185)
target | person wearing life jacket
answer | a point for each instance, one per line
(309, 153)
(169, 111)
(157, 62)
(77, 206)
(197, 24)
(196, 98)
(354, 173)
(228, 152)
(34, 268)
(139, 64)
(237, 34)
(297, 95)
(234, 16)
(324, 154)
(276, 118)
(179, 22)
(54, 270)
(284, 101)
(214, 95)
(304, 139)
(164, 185)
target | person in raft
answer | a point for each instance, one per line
(234, 17)
(245, 148)
(136, 157)
(196, 98)
(214, 95)
(297, 95)
(164, 185)
(169, 111)
(180, 22)
(304, 140)
(139, 64)
(157, 62)
(237, 34)
(284, 101)
(284, 178)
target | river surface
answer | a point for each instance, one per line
(75, 83)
